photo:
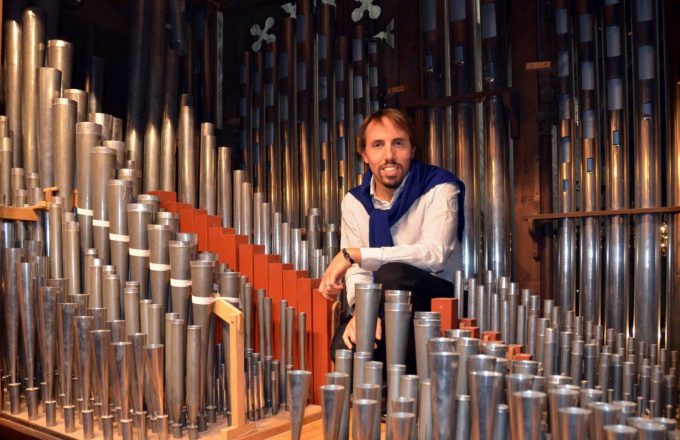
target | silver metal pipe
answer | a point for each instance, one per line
(367, 300)
(332, 399)
(186, 187)
(559, 398)
(394, 373)
(647, 280)
(139, 218)
(132, 175)
(80, 98)
(137, 82)
(103, 160)
(302, 339)
(207, 187)
(603, 414)
(344, 380)
(49, 88)
(88, 135)
(46, 309)
(83, 325)
(201, 291)
(159, 263)
(119, 194)
(297, 389)
(397, 324)
(122, 376)
(60, 57)
(175, 378)
(620, 432)
(155, 95)
(424, 329)
(32, 49)
(56, 245)
(27, 302)
(237, 187)
(63, 137)
(373, 392)
(443, 369)
(403, 424)
(485, 393)
(193, 377)
(424, 410)
(247, 210)
(131, 308)
(573, 422)
(180, 277)
(14, 89)
(364, 412)
(224, 185)
(530, 407)
(169, 125)
(6, 149)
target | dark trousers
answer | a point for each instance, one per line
(400, 276)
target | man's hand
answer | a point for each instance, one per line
(350, 334)
(331, 281)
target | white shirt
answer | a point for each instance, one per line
(424, 237)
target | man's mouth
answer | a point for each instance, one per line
(390, 169)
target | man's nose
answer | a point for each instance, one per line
(389, 152)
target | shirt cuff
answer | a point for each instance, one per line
(371, 258)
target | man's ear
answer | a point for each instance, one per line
(413, 152)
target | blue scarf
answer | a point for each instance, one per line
(421, 179)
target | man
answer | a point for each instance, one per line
(400, 227)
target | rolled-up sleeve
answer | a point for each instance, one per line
(351, 238)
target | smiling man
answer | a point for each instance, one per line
(400, 228)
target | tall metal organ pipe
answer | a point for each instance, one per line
(566, 230)
(271, 128)
(134, 138)
(464, 142)
(674, 248)
(617, 290)
(325, 46)
(647, 153)
(496, 141)
(591, 277)
(431, 27)
(288, 112)
(305, 66)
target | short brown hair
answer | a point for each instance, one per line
(398, 118)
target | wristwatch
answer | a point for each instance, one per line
(347, 256)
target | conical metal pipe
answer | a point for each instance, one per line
(27, 302)
(364, 412)
(175, 377)
(83, 326)
(159, 263)
(121, 354)
(201, 291)
(47, 335)
(603, 414)
(560, 398)
(424, 329)
(425, 428)
(530, 406)
(573, 422)
(11, 257)
(620, 432)
(193, 376)
(402, 424)
(65, 329)
(343, 380)
(297, 390)
(332, 399)
(443, 369)
(485, 393)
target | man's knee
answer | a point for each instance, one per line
(392, 275)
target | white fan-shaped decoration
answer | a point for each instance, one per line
(387, 34)
(366, 6)
(290, 9)
(262, 34)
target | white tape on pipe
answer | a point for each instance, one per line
(100, 223)
(202, 300)
(139, 252)
(119, 237)
(83, 211)
(180, 283)
(158, 267)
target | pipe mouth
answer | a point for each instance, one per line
(202, 263)
(99, 149)
(160, 228)
(59, 43)
(139, 207)
(166, 215)
(129, 172)
(75, 92)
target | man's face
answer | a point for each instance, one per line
(388, 154)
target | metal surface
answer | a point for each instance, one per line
(367, 300)
(159, 263)
(186, 159)
(32, 50)
(49, 88)
(63, 137)
(443, 369)
(297, 391)
(103, 160)
(88, 135)
(485, 393)
(332, 404)
(139, 217)
(13, 88)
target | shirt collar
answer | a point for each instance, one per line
(387, 204)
